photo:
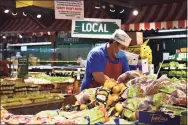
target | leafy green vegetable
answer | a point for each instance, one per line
(53, 79)
(167, 89)
(176, 109)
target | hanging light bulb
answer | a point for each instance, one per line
(111, 6)
(112, 10)
(24, 14)
(14, 13)
(104, 7)
(39, 16)
(6, 11)
(122, 11)
(97, 6)
(20, 36)
(135, 12)
(4, 37)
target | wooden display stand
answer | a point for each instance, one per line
(76, 87)
(32, 109)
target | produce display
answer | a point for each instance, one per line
(72, 74)
(174, 65)
(114, 102)
(43, 78)
(24, 99)
(10, 88)
(176, 70)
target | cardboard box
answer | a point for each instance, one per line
(132, 58)
(151, 69)
(159, 118)
(137, 38)
(184, 50)
(145, 65)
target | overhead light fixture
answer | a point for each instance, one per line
(104, 7)
(111, 6)
(6, 11)
(112, 10)
(39, 16)
(135, 12)
(97, 6)
(48, 33)
(172, 30)
(122, 11)
(24, 14)
(20, 36)
(4, 37)
(14, 13)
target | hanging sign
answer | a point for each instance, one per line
(66, 38)
(69, 9)
(95, 28)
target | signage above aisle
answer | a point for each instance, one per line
(95, 28)
(69, 9)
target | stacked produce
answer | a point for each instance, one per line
(10, 88)
(46, 79)
(115, 100)
(24, 99)
(140, 94)
(7, 88)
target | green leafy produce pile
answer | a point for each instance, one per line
(52, 79)
(181, 73)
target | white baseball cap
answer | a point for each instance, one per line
(121, 37)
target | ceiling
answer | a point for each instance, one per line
(48, 14)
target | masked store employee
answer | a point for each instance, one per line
(107, 61)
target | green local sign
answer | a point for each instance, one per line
(94, 28)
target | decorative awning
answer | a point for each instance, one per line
(20, 25)
(159, 13)
(155, 25)
(164, 16)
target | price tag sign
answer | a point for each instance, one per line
(22, 66)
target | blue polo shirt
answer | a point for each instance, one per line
(96, 62)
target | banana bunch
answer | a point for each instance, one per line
(143, 50)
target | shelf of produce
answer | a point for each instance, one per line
(180, 61)
(162, 69)
(34, 108)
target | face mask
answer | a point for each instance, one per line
(120, 54)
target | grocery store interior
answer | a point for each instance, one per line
(121, 62)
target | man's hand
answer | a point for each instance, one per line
(125, 77)
(100, 77)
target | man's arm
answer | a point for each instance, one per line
(96, 64)
(125, 64)
(100, 77)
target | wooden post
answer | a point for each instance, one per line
(76, 87)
